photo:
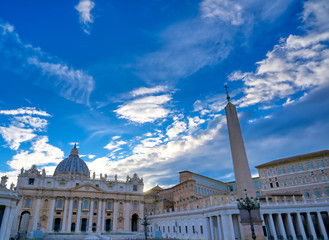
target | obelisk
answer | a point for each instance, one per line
(242, 172)
(239, 156)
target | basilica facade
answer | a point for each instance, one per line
(71, 200)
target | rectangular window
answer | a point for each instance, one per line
(264, 186)
(324, 177)
(294, 181)
(268, 173)
(180, 229)
(310, 166)
(164, 229)
(314, 179)
(135, 188)
(281, 171)
(201, 229)
(60, 203)
(277, 184)
(168, 229)
(304, 180)
(285, 183)
(31, 181)
(186, 230)
(262, 174)
(193, 229)
(271, 185)
(320, 164)
(300, 167)
(274, 172)
(291, 169)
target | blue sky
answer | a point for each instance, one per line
(139, 85)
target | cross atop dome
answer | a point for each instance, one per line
(74, 151)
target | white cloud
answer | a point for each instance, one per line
(14, 136)
(194, 122)
(145, 91)
(26, 110)
(224, 10)
(46, 70)
(84, 8)
(115, 145)
(296, 64)
(41, 153)
(91, 156)
(175, 129)
(36, 123)
(144, 109)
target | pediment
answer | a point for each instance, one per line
(87, 187)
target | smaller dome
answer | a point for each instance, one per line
(72, 165)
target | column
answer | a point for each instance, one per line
(207, 227)
(127, 216)
(4, 224)
(321, 224)
(64, 227)
(311, 225)
(10, 221)
(212, 235)
(230, 222)
(77, 226)
(51, 217)
(301, 226)
(103, 216)
(69, 220)
(91, 212)
(141, 213)
(219, 228)
(115, 215)
(291, 226)
(272, 226)
(36, 214)
(282, 230)
(225, 226)
(100, 203)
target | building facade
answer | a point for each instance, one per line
(304, 174)
(72, 201)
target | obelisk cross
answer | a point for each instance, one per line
(227, 95)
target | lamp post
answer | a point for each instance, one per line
(249, 204)
(145, 224)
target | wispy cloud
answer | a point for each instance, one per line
(26, 60)
(84, 8)
(298, 63)
(14, 136)
(25, 110)
(145, 91)
(224, 10)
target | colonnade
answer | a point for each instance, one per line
(280, 221)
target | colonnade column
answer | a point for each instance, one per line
(282, 230)
(99, 213)
(272, 226)
(115, 215)
(64, 227)
(225, 226)
(5, 222)
(230, 222)
(311, 225)
(322, 227)
(208, 228)
(50, 220)
(291, 226)
(36, 213)
(103, 216)
(10, 222)
(141, 213)
(91, 212)
(69, 220)
(219, 228)
(78, 216)
(212, 235)
(301, 226)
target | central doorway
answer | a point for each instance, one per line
(84, 225)
(134, 223)
(108, 225)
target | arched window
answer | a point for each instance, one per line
(108, 205)
(95, 205)
(85, 204)
(27, 202)
(135, 206)
(75, 204)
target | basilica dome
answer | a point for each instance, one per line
(73, 165)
